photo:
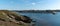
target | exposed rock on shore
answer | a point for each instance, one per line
(9, 18)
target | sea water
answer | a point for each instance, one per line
(48, 18)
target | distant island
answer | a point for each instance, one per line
(37, 11)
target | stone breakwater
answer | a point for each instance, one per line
(9, 18)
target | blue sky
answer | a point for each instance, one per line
(29, 4)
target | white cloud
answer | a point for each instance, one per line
(33, 3)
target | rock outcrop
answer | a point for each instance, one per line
(10, 17)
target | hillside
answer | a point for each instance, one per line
(8, 18)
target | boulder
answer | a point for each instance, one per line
(26, 19)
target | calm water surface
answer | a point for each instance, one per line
(50, 19)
